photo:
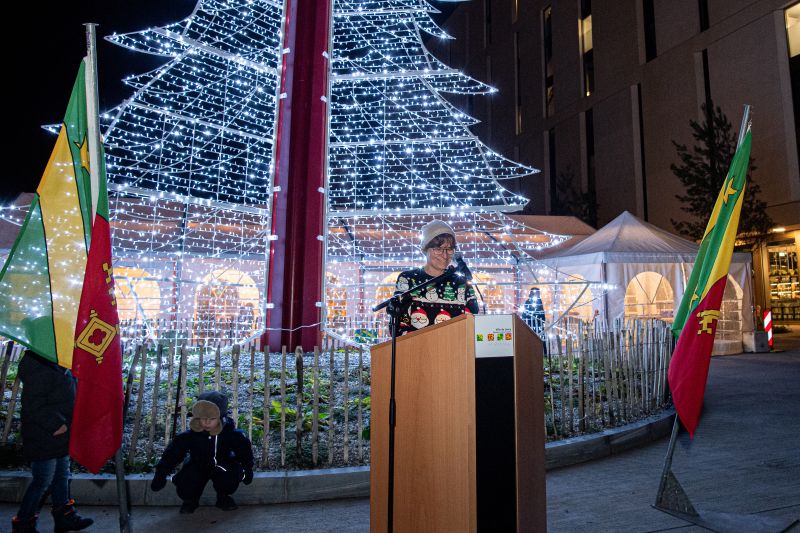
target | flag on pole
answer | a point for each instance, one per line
(41, 281)
(58, 288)
(96, 432)
(696, 320)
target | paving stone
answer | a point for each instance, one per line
(744, 459)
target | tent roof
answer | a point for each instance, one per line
(628, 239)
(627, 233)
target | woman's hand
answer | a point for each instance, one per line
(61, 430)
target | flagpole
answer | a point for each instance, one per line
(745, 124)
(92, 112)
(668, 460)
(671, 497)
(93, 133)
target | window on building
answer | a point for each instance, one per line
(487, 22)
(547, 45)
(642, 150)
(551, 159)
(517, 86)
(702, 6)
(587, 46)
(590, 170)
(784, 283)
(489, 80)
(706, 79)
(792, 17)
(649, 15)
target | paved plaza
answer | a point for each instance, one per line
(745, 459)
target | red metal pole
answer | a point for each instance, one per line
(294, 284)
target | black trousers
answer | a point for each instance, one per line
(192, 479)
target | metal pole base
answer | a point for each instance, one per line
(125, 523)
(734, 523)
(673, 500)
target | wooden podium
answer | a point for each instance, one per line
(469, 435)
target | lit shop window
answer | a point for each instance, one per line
(793, 29)
(587, 46)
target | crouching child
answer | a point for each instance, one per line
(212, 449)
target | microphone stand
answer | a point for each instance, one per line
(464, 271)
(393, 306)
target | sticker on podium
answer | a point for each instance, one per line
(494, 336)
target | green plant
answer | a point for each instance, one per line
(702, 171)
(571, 200)
(365, 402)
(307, 414)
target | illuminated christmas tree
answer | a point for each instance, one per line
(400, 155)
(190, 159)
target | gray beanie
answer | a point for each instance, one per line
(433, 229)
(218, 398)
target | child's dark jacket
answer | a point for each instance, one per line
(208, 451)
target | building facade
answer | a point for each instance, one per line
(595, 93)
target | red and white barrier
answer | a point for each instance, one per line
(768, 325)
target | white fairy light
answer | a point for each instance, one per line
(190, 162)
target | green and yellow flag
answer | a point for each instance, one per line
(57, 285)
(696, 320)
(42, 279)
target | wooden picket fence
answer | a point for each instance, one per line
(311, 409)
(597, 377)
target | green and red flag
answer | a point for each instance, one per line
(58, 289)
(697, 317)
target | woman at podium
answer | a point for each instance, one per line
(449, 297)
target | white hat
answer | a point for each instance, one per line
(433, 229)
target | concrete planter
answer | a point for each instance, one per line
(330, 483)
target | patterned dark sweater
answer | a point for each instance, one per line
(439, 302)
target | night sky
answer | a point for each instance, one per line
(44, 44)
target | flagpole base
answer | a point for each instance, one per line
(673, 500)
(733, 522)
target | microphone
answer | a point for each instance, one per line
(462, 268)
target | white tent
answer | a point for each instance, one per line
(647, 269)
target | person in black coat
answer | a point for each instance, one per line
(533, 312)
(216, 451)
(48, 398)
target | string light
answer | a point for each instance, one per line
(402, 155)
(190, 163)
